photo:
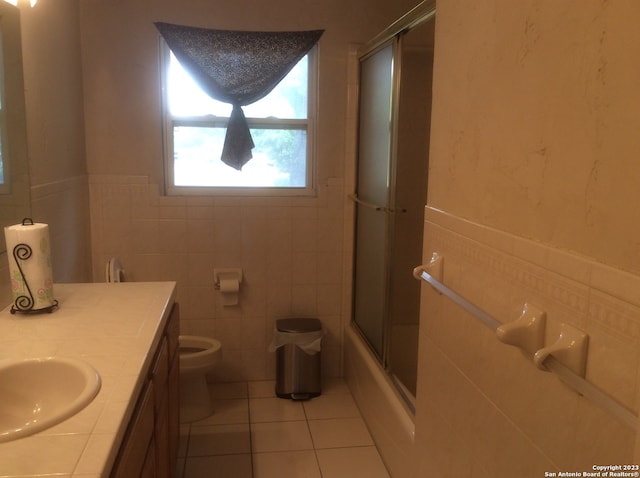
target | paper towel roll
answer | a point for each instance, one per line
(28, 246)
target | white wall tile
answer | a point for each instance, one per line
(501, 410)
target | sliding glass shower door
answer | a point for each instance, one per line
(391, 192)
(372, 204)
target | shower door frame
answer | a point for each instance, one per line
(381, 350)
(393, 35)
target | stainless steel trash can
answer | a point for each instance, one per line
(298, 358)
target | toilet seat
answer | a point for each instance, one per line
(208, 351)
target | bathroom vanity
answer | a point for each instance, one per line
(128, 332)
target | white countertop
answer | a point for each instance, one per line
(111, 326)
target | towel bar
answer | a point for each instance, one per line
(579, 384)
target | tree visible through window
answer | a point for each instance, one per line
(280, 124)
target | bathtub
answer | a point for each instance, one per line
(385, 412)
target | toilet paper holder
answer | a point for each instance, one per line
(227, 281)
(233, 274)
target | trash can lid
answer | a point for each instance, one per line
(298, 325)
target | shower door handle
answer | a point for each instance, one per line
(357, 200)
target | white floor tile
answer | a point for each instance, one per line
(338, 405)
(339, 433)
(228, 466)
(287, 464)
(262, 389)
(228, 390)
(280, 436)
(226, 412)
(351, 462)
(275, 410)
(324, 437)
(219, 440)
(334, 385)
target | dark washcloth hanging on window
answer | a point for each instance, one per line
(237, 67)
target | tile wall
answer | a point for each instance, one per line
(484, 409)
(290, 250)
(59, 204)
(63, 206)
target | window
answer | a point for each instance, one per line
(281, 125)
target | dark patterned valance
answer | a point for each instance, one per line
(239, 68)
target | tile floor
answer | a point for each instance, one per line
(254, 434)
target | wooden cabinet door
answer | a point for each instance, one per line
(138, 439)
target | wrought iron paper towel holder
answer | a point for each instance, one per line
(24, 303)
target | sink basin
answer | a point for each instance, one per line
(38, 393)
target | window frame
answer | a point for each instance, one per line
(169, 122)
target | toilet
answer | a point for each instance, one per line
(198, 356)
